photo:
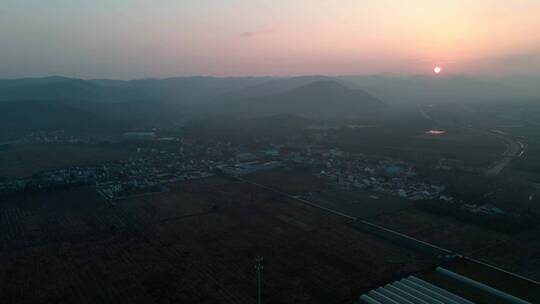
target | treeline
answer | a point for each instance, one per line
(511, 222)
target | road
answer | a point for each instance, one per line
(393, 236)
(514, 147)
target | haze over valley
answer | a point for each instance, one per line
(270, 152)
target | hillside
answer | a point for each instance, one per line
(180, 91)
(24, 116)
(319, 99)
(426, 89)
(272, 87)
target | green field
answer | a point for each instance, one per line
(25, 160)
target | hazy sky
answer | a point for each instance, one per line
(160, 38)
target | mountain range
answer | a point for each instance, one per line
(103, 104)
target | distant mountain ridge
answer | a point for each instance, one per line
(318, 99)
(273, 87)
(395, 89)
(24, 116)
(180, 91)
(101, 104)
(49, 88)
(204, 91)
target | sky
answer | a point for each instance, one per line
(163, 38)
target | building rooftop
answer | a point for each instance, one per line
(411, 290)
(464, 281)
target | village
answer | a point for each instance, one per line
(152, 167)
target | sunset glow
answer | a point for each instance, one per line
(437, 70)
(262, 37)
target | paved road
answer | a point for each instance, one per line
(391, 235)
(514, 147)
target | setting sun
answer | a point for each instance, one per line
(437, 70)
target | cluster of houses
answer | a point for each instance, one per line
(393, 177)
(243, 168)
(482, 209)
(151, 168)
(342, 169)
(383, 176)
(54, 137)
(148, 168)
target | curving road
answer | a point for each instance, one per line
(514, 147)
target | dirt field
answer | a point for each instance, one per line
(288, 181)
(519, 253)
(355, 202)
(196, 244)
(24, 160)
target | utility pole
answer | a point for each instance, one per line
(259, 267)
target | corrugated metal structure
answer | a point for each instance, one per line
(483, 287)
(413, 290)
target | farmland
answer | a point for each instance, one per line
(513, 252)
(357, 203)
(24, 160)
(194, 244)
